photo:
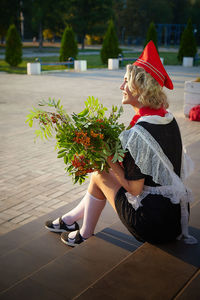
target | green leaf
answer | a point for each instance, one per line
(120, 158)
(61, 151)
(39, 134)
(69, 169)
(30, 123)
(58, 103)
(65, 159)
(102, 112)
(83, 113)
(115, 158)
(76, 179)
(61, 155)
(102, 167)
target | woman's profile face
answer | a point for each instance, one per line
(128, 98)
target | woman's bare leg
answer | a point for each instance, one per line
(104, 185)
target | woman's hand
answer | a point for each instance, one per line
(134, 187)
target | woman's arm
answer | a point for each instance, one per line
(134, 187)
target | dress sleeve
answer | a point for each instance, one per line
(132, 171)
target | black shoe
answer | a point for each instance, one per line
(61, 227)
(72, 242)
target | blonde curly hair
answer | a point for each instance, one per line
(143, 84)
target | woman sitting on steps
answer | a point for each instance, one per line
(146, 191)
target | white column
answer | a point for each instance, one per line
(33, 68)
(188, 61)
(80, 65)
(113, 63)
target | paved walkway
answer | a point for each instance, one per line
(32, 179)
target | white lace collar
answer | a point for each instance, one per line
(155, 119)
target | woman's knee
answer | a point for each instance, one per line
(97, 176)
(94, 185)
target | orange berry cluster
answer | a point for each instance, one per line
(78, 161)
(80, 164)
(82, 138)
(93, 134)
(83, 172)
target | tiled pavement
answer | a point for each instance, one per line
(32, 179)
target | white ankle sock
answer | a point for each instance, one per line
(73, 215)
(90, 208)
(57, 225)
(92, 211)
(56, 222)
(72, 235)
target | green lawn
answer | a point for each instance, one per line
(170, 58)
(93, 61)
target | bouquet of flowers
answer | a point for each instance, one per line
(84, 140)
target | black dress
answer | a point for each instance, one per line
(157, 219)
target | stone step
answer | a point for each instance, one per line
(170, 271)
(36, 262)
(36, 265)
(148, 273)
(191, 290)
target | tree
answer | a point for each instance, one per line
(138, 15)
(88, 17)
(69, 46)
(188, 45)
(110, 47)
(9, 14)
(47, 15)
(119, 17)
(194, 14)
(152, 35)
(13, 54)
(180, 9)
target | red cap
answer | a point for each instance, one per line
(150, 61)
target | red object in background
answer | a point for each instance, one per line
(194, 114)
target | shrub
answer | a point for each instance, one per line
(151, 35)
(93, 39)
(110, 47)
(188, 47)
(47, 34)
(13, 54)
(69, 46)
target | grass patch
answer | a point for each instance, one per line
(5, 67)
(170, 58)
(93, 61)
